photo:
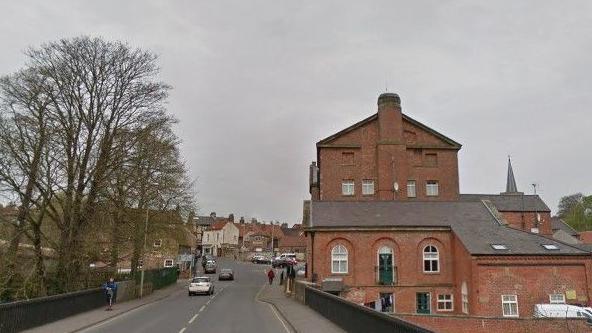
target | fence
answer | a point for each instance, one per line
(356, 318)
(159, 278)
(22, 315)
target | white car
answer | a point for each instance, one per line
(561, 311)
(201, 285)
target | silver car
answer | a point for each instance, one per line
(201, 285)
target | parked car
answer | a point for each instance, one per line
(201, 285)
(210, 267)
(226, 274)
(561, 311)
(261, 259)
(284, 260)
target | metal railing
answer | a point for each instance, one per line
(159, 278)
(356, 318)
(22, 315)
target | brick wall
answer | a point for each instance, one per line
(532, 279)
(526, 221)
(461, 324)
(387, 149)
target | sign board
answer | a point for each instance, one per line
(570, 294)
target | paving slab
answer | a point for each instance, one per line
(301, 318)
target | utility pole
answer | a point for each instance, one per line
(144, 255)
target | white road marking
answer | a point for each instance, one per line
(193, 318)
(183, 330)
(202, 308)
(272, 309)
(279, 318)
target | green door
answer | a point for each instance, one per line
(385, 268)
(423, 303)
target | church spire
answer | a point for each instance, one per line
(511, 182)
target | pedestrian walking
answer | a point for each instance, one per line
(110, 292)
(282, 278)
(270, 275)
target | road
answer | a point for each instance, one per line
(233, 308)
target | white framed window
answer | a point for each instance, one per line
(431, 259)
(557, 298)
(157, 243)
(347, 187)
(445, 302)
(339, 259)
(368, 187)
(432, 189)
(168, 263)
(499, 247)
(465, 298)
(510, 305)
(411, 189)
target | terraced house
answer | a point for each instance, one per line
(388, 228)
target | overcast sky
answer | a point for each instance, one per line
(258, 83)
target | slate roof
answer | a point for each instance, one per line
(558, 224)
(510, 202)
(472, 222)
(204, 220)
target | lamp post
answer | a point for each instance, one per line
(144, 255)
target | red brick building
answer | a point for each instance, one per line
(388, 228)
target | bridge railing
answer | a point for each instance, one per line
(356, 318)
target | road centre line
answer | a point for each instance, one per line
(202, 308)
(183, 330)
(193, 318)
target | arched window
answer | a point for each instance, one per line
(339, 259)
(431, 259)
(385, 265)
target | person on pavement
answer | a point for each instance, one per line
(110, 291)
(270, 275)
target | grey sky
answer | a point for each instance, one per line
(257, 83)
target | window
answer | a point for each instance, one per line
(423, 302)
(465, 298)
(510, 305)
(168, 263)
(157, 243)
(431, 160)
(550, 247)
(411, 192)
(499, 247)
(432, 188)
(387, 302)
(339, 259)
(367, 187)
(347, 158)
(347, 187)
(445, 302)
(430, 259)
(557, 298)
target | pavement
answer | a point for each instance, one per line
(247, 304)
(84, 320)
(300, 317)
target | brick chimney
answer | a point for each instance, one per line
(391, 149)
(313, 181)
(390, 120)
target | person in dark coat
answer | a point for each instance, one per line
(270, 275)
(110, 292)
